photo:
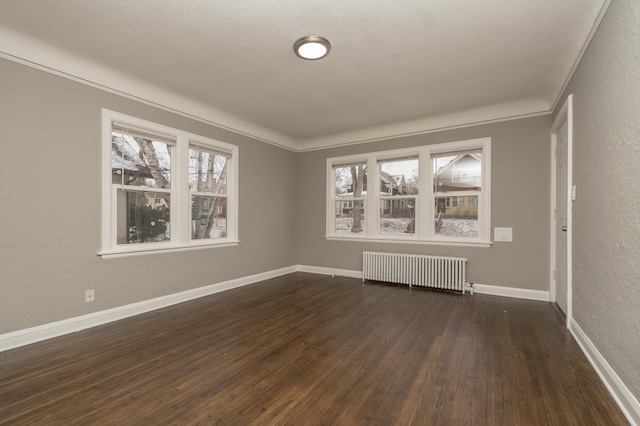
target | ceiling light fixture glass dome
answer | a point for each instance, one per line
(312, 47)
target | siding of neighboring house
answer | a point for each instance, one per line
(460, 207)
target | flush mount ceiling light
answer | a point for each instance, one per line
(312, 47)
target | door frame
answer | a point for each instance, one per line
(564, 115)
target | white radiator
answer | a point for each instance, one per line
(447, 273)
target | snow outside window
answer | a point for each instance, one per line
(438, 194)
(165, 189)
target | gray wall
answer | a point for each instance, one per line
(50, 214)
(520, 178)
(606, 213)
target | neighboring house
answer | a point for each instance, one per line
(457, 185)
(390, 185)
(393, 185)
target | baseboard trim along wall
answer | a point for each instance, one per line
(71, 325)
(493, 290)
(330, 271)
(47, 331)
(519, 293)
(628, 404)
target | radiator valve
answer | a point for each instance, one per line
(469, 287)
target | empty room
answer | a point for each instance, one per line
(320, 213)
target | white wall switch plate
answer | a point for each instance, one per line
(503, 234)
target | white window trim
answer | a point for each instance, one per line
(424, 233)
(180, 199)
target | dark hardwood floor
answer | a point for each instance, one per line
(308, 349)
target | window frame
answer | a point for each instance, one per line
(425, 199)
(179, 192)
(352, 202)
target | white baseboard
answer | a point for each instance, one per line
(59, 328)
(494, 290)
(628, 404)
(330, 271)
(519, 293)
(47, 331)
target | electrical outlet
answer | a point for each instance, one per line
(89, 296)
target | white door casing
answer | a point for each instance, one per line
(561, 288)
(561, 218)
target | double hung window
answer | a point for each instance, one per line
(165, 189)
(398, 195)
(434, 193)
(349, 197)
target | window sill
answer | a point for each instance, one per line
(146, 251)
(483, 244)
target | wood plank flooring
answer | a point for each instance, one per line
(308, 349)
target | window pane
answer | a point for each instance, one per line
(142, 217)
(208, 217)
(457, 185)
(397, 216)
(350, 217)
(457, 171)
(455, 221)
(139, 161)
(399, 177)
(351, 180)
(207, 170)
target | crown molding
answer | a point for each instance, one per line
(585, 46)
(34, 53)
(476, 117)
(40, 55)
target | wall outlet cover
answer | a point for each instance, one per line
(503, 234)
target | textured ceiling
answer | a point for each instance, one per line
(396, 66)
